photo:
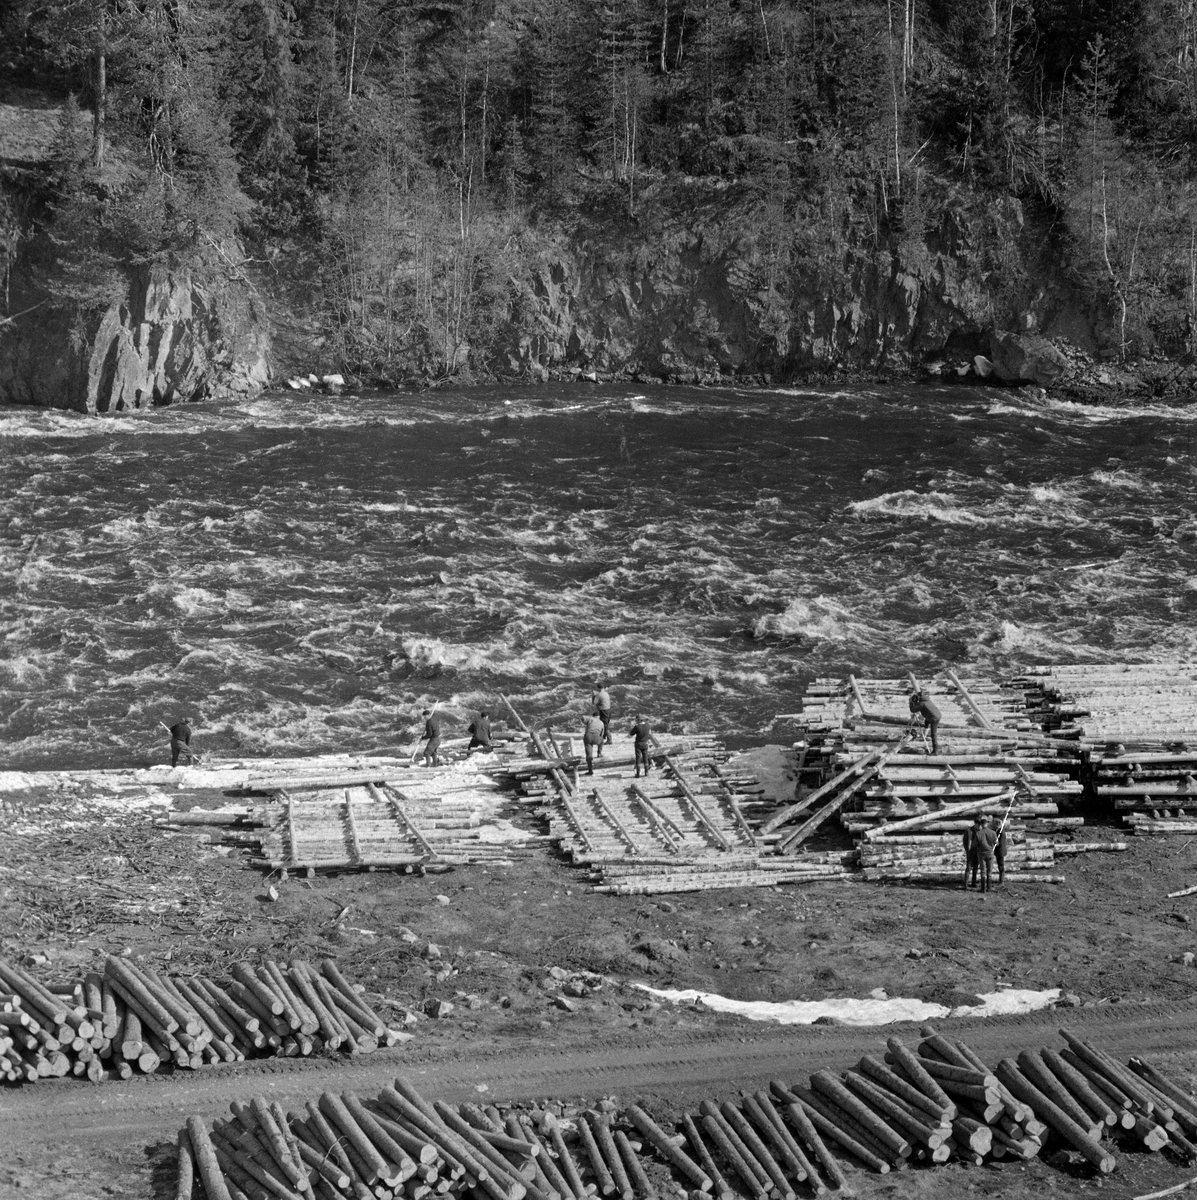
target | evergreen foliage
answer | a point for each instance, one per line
(416, 141)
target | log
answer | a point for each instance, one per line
(954, 810)
(1037, 1072)
(661, 1143)
(1068, 1129)
(792, 810)
(829, 1086)
(716, 1131)
(912, 1067)
(821, 1118)
(205, 1157)
(694, 1137)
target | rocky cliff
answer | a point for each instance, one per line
(697, 303)
(167, 339)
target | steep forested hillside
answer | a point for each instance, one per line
(403, 164)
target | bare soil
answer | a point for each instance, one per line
(1109, 935)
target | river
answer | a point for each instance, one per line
(303, 574)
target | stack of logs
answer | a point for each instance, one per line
(1156, 793)
(938, 1104)
(1141, 706)
(132, 1018)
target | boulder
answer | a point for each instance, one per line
(1025, 358)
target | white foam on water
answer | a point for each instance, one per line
(818, 618)
(850, 1011)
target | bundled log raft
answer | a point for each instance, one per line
(429, 819)
(134, 1019)
(932, 1105)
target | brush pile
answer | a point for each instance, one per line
(938, 1104)
(132, 1018)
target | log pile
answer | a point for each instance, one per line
(1156, 793)
(1139, 706)
(939, 1104)
(134, 1019)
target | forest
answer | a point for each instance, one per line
(402, 159)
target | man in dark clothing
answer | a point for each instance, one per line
(592, 735)
(433, 727)
(985, 841)
(971, 862)
(922, 706)
(999, 851)
(180, 742)
(480, 733)
(643, 735)
(600, 705)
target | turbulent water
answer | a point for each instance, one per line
(304, 574)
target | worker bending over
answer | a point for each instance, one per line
(434, 725)
(592, 735)
(180, 743)
(480, 733)
(922, 706)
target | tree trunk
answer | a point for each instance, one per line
(357, 8)
(100, 62)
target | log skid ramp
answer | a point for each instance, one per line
(933, 1104)
(688, 824)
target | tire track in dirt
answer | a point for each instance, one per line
(151, 1108)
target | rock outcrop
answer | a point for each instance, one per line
(167, 340)
(689, 309)
(1024, 358)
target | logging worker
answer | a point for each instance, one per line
(592, 735)
(922, 706)
(999, 849)
(643, 736)
(180, 742)
(600, 705)
(985, 841)
(971, 862)
(480, 733)
(434, 725)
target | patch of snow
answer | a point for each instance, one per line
(858, 1012)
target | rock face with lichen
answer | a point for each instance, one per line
(703, 304)
(166, 340)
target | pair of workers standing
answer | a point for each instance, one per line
(596, 732)
(985, 848)
(434, 731)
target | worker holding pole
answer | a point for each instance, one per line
(180, 741)
(921, 705)
(433, 731)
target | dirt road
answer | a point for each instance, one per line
(149, 1109)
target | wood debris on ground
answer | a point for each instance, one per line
(936, 1104)
(132, 1019)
